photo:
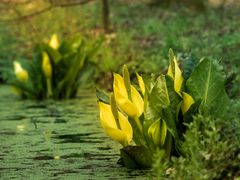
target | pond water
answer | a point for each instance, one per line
(56, 140)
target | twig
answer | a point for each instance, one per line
(53, 4)
(70, 4)
(24, 17)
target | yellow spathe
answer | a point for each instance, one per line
(46, 65)
(21, 74)
(133, 107)
(54, 42)
(122, 134)
(176, 73)
(187, 102)
(141, 83)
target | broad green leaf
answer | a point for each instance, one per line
(158, 100)
(136, 157)
(206, 83)
(159, 97)
(163, 104)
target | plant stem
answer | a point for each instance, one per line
(138, 124)
(49, 88)
(168, 145)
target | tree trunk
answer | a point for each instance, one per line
(105, 16)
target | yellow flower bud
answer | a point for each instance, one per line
(121, 132)
(158, 132)
(21, 74)
(46, 65)
(54, 42)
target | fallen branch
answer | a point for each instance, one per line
(66, 4)
(24, 17)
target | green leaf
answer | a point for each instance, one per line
(206, 83)
(159, 97)
(157, 132)
(136, 157)
(157, 101)
(72, 74)
(102, 96)
(126, 78)
(138, 137)
(188, 65)
(71, 45)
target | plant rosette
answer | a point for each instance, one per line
(57, 69)
(153, 115)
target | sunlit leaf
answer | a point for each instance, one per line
(207, 84)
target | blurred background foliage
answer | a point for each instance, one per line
(139, 33)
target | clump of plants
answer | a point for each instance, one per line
(211, 146)
(57, 69)
(154, 115)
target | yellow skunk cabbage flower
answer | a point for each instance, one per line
(46, 65)
(133, 106)
(21, 74)
(122, 134)
(175, 73)
(141, 83)
(54, 42)
(187, 102)
(158, 132)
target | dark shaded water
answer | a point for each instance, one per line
(56, 140)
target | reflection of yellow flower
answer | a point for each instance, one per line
(21, 74)
(54, 42)
(133, 106)
(122, 134)
(46, 65)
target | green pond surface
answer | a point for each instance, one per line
(57, 140)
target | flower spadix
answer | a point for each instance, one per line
(127, 97)
(54, 42)
(46, 65)
(118, 129)
(21, 74)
